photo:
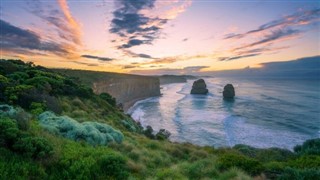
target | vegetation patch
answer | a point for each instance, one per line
(93, 133)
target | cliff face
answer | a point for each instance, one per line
(128, 90)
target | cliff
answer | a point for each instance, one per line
(167, 79)
(126, 88)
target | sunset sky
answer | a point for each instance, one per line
(158, 36)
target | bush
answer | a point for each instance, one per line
(13, 166)
(149, 132)
(22, 118)
(311, 147)
(113, 166)
(8, 132)
(107, 97)
(306, 161)
(129, 124)
(249, 165)
(305, 174)
(264, 155)
(92, 132)
(274, 169)
(163, 134)
(34, 147)
(37, 108)
(7, 111)
(169, 174)
(200, 169)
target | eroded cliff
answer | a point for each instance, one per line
(126, 88)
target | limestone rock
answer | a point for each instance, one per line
(228, 91)
(199, 87)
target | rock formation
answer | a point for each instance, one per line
(128, 89)
(199, 87)
(228, 91)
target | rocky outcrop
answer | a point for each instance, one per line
(199, 87)
(228, 91)
(128, 89)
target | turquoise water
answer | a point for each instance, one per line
(265, 113)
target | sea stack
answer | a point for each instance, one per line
(199, 87)
(228, 91)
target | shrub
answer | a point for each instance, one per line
(37, 108)
(169, 174)
(34, 147)
(311, 147)
(7, 111)
(233, 173)
(149, 132)
(92, 132)
(163, 134)
(8, 131)
(264, 155)
(249, 165)
(274, 169)
(129, 125)
(273, 154)
(13, 166)
(22, 118)
(246, 150)
(306, 161)
(113, 166)
(200, 169)
(305, 174)
(107, 97)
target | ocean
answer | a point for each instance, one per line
(265, 113)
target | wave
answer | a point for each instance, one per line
(260, 117)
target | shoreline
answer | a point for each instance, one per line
(130, 104)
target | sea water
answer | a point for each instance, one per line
(265, 113)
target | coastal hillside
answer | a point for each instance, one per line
(54, 126)
(125, 88)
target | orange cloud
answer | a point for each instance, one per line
(73, 24)
(176, 10)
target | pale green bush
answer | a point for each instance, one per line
(18, 114)
(7, 111)
(93, 133)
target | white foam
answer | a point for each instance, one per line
(240, 132)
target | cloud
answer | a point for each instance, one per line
(74, 27)
(97, 57)
(136, 24)
(129, 67)
(275, 36)
(301, 18)
(263, 39)
(185, 39)
(65, 25)
(141, 55)
(195, 68)
(84, 63)
(132, 42)
(16, 39)
(237, 57)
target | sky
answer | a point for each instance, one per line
(158, 36)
